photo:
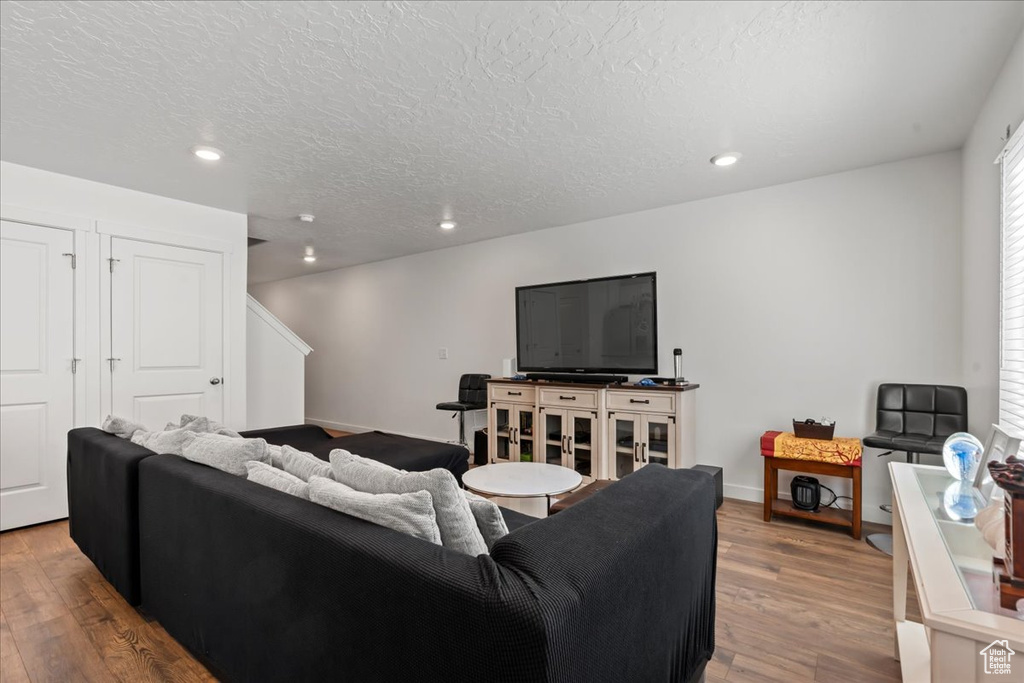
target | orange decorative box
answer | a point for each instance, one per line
(837, 451)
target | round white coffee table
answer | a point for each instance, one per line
(522, 480)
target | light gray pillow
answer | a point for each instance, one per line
(343, 457)
(488, 518)
(171, 441)
(303, 465)
(267, 475)
(275, 456)
(454, 518)
(410, 513)
(224, 452)
(122, 427)
(198, 423)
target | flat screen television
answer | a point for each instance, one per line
(602, 325)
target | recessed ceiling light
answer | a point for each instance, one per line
(309, 258)
(447, 225)
(306, 217)
(207, 153)
(726, 158)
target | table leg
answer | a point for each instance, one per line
(900, 560)
(856, 502)
(768, 494)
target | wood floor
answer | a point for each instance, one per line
(796, 602)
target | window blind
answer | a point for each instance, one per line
(1011, 318)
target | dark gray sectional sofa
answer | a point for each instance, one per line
(263, 586)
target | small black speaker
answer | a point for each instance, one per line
(806, 493)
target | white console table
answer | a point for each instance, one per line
(599, 431)
(952, 570)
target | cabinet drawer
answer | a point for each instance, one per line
(513, 394)
(568, 398)
(642, 401)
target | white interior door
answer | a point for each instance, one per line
(37, 296)
(166, 332)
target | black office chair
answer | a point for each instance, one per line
(914, 419)
(472, 396)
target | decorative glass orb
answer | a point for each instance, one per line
(959, 503)
(961, 454)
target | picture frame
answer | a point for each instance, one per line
(998, 446)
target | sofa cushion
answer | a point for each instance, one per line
(303, 465)
(410, 513)
(225, 453)
(454, 517)
(268, 475)
(489, 519)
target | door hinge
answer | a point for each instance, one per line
(74, 259)
(74, 365)
(112, 261)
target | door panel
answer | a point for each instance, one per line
(153, 410)
(625, 441)
(581, 441)
(37, 298)
(556, 450)
(166, 332)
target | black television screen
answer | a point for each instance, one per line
(603, 325)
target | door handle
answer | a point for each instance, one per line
(515, 434)
(112, 361)
(643, 452)
(636, 451)
(569, 451)
(215, 380)
(563, 444)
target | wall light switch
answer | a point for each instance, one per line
(442, 353)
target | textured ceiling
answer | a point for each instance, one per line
(381, 118)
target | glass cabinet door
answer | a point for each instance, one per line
(625, 444)
(659, 440)
(524, 434)
(582, 444)
(503, 440)
(555, 437)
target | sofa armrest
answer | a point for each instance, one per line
(625, 580)
(103, 504)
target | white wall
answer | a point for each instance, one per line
(980, 239)
(789, 301)
(276, 381)
(90, 207)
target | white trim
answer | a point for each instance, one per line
(266, 316)
(174, 239)
(48, 219)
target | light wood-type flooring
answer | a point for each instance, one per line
(796, 602)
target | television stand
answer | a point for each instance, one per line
(577, 379)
